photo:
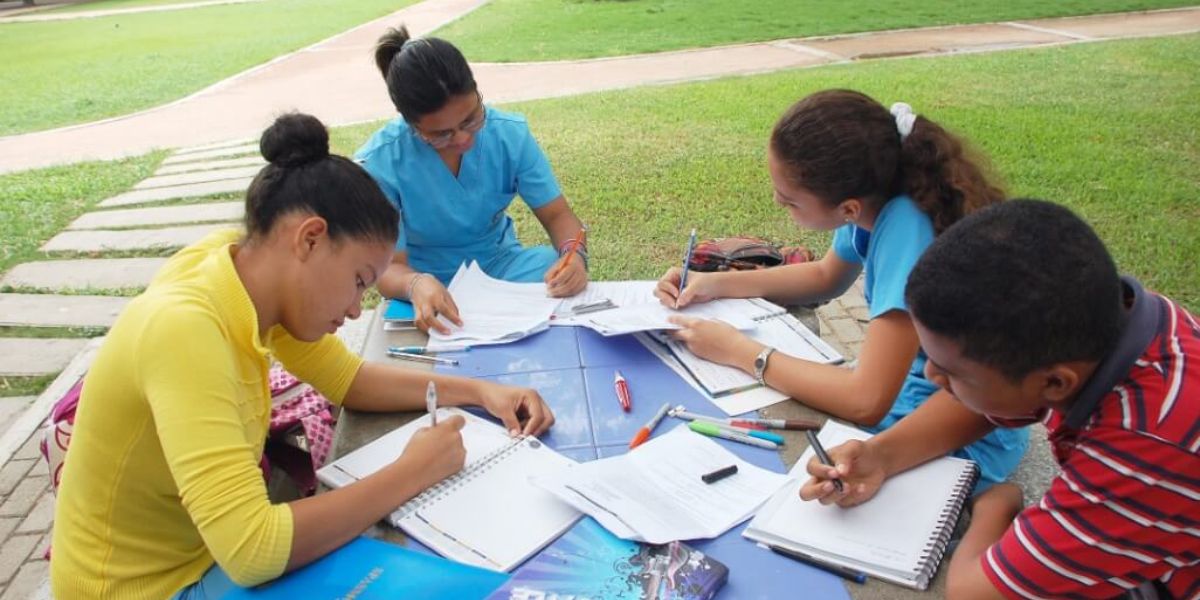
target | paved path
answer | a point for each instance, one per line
(337, 81)
(92, 14)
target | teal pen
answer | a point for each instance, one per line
(762, 435)
(408, 349)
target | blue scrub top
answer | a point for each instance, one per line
(887, 254)
(447, 220)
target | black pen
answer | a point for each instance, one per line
(812, 561)
(822, 455)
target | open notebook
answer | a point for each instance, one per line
(486, 515)
(899, 535)
(775, 328)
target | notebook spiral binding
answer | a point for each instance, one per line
(444, 487)
(931, 557)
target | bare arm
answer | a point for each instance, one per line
(789, 284)
(993, 513)
(559, 221)
(322, 523)
(569, 274)
(862, 395)
(396, 279)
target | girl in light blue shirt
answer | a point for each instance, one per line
(452, 165)
(886, 183)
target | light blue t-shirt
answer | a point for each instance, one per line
(447, 220)
(887, 254)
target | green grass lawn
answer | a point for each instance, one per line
(36, 205)
(522, 30)
(1107, 129)
(64, 72)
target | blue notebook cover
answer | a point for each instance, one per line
(399, 310)
(589, 562)
(367, 568)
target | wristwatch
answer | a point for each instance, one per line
(760, 364)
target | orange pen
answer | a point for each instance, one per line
(575, 243)
(643, 434)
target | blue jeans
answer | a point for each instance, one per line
(214, 585)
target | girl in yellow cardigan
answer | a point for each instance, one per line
(162, 495)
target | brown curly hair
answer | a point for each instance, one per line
(841, 144)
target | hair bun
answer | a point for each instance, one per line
(294, 139)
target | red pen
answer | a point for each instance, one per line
(622, 391)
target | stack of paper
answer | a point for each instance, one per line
(578, 308)
(492, 311)
(655, 494)
(651, 316)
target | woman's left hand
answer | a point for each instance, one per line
(717, 341)
(567, 281)
(514, 406)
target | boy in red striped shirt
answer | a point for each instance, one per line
(1023, 316)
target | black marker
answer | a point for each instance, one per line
(812, 561)
(719, 474)
(823, 456)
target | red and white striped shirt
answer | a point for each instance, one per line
(1125, 510)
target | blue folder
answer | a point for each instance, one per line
(370, 569)
(572, 368)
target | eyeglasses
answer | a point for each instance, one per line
(443, 138)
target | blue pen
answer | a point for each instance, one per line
(407, 349)
(687, 259)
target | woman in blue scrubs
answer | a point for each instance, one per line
(452, 165)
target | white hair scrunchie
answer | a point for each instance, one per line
(905, 117)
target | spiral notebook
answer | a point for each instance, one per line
(775, 328)
(899, 535)
(487, 515)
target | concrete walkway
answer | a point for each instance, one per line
(337, 81)
(93, 14)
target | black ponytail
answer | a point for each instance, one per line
(304, 177)
(421, 74)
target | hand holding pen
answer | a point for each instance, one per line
(854, 464)
(569, 275)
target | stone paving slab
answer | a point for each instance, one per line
(34, 356)
(961, 38)
(52, 310)
(193, 190)
(130, 239)
(12, 406)
(197, 177)
(84, 274)
(160, 215)
(214, 146)
(1126, 25)
(214, 153)
(222, 163)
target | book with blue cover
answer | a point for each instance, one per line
(368, 569)
(399, 311)
(589, 562)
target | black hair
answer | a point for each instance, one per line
(841, 144)
(421, 74)
(1021, 285)
(304, 177)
